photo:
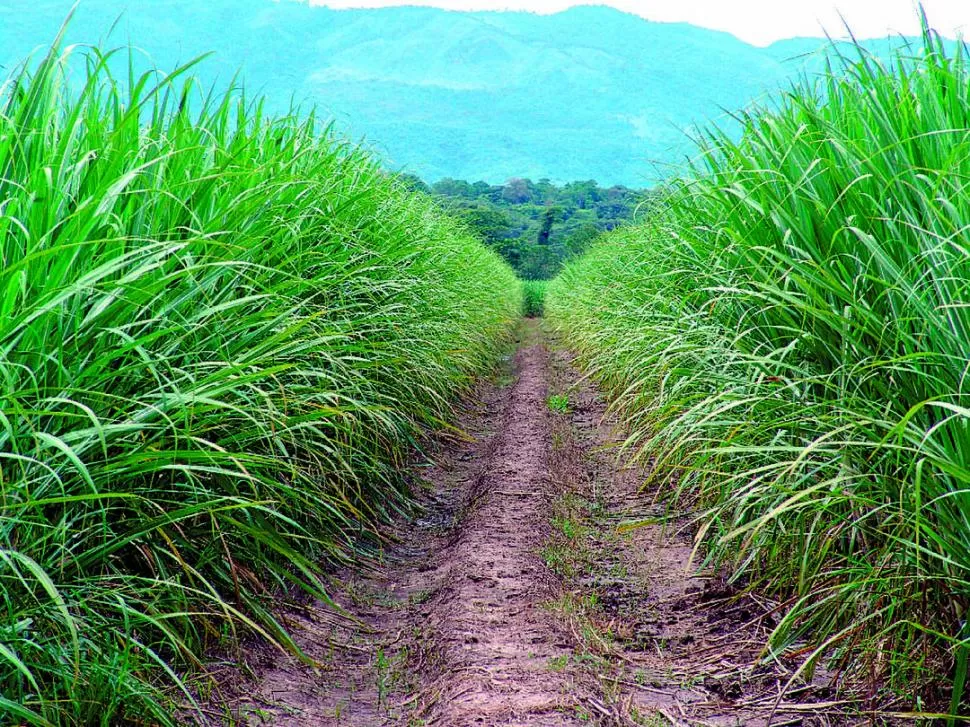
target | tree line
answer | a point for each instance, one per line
(536, 226)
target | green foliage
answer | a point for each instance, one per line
(537, 226)
(787, 339)
(558, 403)
(220, 335)
(534, 295)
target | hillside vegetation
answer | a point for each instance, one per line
(221, 335)
(587, 93)
(536, 226)
(787, 338)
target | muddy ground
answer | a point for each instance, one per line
(540, 586)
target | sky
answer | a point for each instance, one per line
(759, 22)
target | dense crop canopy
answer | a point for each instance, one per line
(789, 335)
(221, 335)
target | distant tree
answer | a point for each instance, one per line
(545, 229)
(449, 187)
(481, 189)
(414, 183)
(539, 263)
(583, 195)
(618, 192)
(546, 191)
(612, 213)
(491, 224)
(518, 191)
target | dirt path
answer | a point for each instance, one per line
(523, 596)
(497, 633)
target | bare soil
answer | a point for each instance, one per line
(541, 585)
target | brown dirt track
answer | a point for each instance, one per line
(523, 596)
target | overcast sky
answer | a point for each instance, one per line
(756, 21)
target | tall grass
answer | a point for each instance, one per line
(789, 338)
(534, 295)
(221, 335)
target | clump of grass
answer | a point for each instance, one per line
(789, 335)
(220, 335)
(558, 403)
(534, 294)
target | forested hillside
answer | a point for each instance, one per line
(591, 93)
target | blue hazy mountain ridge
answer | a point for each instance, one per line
(589, 93)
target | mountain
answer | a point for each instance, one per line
(589, 93)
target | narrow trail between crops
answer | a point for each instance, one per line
(524, 595)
